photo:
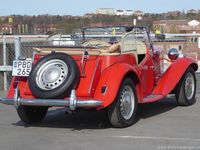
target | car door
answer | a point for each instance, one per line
(147, 74)
(145, 62)
(132, 43)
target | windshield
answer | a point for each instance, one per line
(136, 39)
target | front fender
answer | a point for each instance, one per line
(112, 78)
(173, 75)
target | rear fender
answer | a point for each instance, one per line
(112, 78)
(173, 75)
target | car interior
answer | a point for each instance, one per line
(128, 44)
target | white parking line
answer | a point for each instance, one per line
(157, 138)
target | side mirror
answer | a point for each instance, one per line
(173, 54)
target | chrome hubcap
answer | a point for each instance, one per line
(127, 102)
(189, 86)
(51, 74)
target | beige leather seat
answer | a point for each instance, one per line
(112, 50)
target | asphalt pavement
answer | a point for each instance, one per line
(161, 126)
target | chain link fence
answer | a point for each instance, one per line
(10, 48)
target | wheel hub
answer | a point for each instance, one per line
(51, 74)
(189, 86)
(127, 102)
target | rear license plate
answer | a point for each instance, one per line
(21, 67)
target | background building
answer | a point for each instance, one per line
(6, 29)
(175, 26)
(119, 12)
(138, 13)
(105, 11)
(192, 11)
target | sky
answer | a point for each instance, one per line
(80, 7)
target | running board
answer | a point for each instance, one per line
(152, 98)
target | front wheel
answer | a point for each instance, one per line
(31, 115)
(122, 112)
(186, 89)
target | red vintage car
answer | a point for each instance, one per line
(100, 75)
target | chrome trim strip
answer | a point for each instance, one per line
(16, 97)
(94, 74)
(53, 103)
(72, 103)
(7, 101)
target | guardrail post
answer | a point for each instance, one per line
(5, 81)
(17, 47)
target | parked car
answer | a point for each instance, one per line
(99, 75)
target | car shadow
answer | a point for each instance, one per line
(81, 119)
(146, 111)
(91, 119)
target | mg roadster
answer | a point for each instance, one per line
(115, 76)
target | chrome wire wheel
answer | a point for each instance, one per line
(189, 86)
(51, 74)
(127, 100)
(123, 111)
(185, 91)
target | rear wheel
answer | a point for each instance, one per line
(186, 89)
(31, 115)
(122, 112)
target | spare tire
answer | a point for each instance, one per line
(54, 76)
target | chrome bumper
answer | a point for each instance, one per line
(72, 103)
